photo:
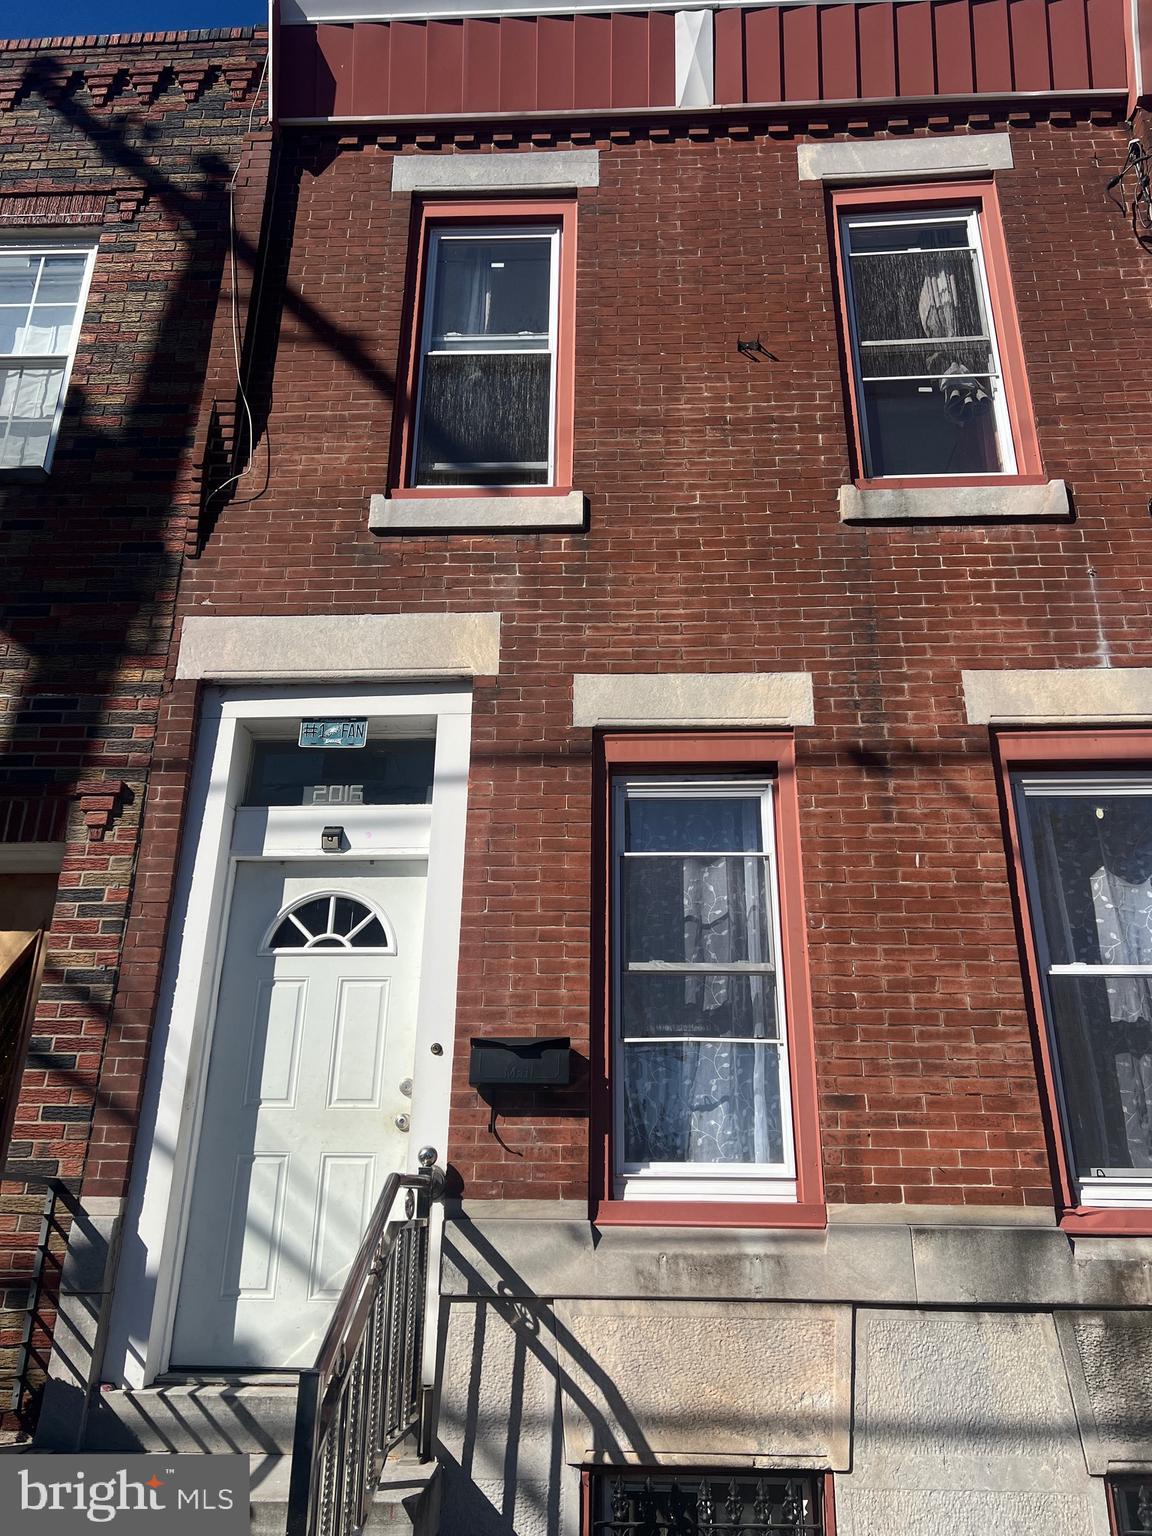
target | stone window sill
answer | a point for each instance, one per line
(995, 502)
(462, 514)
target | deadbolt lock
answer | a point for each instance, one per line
(406, 1087)
(402, 1122)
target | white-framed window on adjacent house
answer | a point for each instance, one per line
(930, 389)
(1086, 843)
(487, 366)
(43, 289)
(701, 1101)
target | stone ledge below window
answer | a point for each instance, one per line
(462, 514)
(954, 504)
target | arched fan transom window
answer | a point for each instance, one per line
(330, 922)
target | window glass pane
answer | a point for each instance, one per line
(932, 234)
(1093, 859)
(61, 279)
(371, 936)
(485, 419)
(1103, 1030)
(48, 330)
(702, 1103)
(658, 1004)
(28, 399)
(347, 914)
(912, 294)
(288, 936)
(18, 278)
(391, 772)
(947, 426)
(696, 910)
(681, 824)
(945, 367)
(489, 286)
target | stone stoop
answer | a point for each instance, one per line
(256, 1420)
(408, 1498)
(189, 1417)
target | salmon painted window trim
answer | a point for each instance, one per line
(1078, 809)
(937, 384)
(487, 401)
(653, 993)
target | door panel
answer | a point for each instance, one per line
(298, 1132)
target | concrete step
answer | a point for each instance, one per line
(406, 1500)
(251, 1418)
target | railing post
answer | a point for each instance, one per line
(300, 1484)
(366, 1392)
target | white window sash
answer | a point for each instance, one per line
(995, 376)
(730, 1182)
(428, 348)
(44, 362)
(1123, 1188)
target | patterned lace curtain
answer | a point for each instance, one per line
(1099, 913)
(708, 1101)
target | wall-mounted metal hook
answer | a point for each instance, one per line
(755, 350)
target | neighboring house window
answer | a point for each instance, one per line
(1131, 1499)
(658, 1503)
(1086, 846)
(707, 986)
(492, 374)
(42, 293)
(937, 374)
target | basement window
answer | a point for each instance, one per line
(642, 1503)
(1131, 1501)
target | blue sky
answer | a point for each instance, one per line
(54, 18)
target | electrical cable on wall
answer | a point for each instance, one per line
(1134, 180)
(235, 306)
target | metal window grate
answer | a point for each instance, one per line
(686, 1505)
(1132, 1501)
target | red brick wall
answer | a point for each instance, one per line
(131, 140)
(714, 545)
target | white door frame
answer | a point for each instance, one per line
(154, 1219)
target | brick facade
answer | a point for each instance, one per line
(131, 141)
(714, 545)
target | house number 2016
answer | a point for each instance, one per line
(337, 794)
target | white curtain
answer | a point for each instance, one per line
(709, 1101)
(1099, 911)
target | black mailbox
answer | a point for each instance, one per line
(522, 1061)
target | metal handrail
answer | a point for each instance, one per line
(58, 1193)
(363, 1394)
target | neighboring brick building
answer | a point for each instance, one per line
(700, 450)
(115, 159)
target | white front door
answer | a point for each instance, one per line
(313, 1040)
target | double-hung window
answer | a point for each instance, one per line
(492, 372)
(937, 375)
(42, 294)
(1086, 842)
(702, 1101)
